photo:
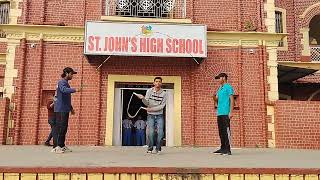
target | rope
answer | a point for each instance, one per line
(129, 115)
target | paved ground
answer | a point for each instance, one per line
(90, 156)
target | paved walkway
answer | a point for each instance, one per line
(91, 156)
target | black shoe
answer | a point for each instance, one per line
(149, 150)
(47, 144)
(219, 151)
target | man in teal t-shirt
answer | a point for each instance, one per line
(224, 97)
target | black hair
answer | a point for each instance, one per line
(63, 75)
(157, 78)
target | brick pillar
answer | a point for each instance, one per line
(4, 112)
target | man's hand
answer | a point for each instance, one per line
(230, 115)
(72, 112)
(215, 98)
(146, 108)
(140, 96)
(79, 89)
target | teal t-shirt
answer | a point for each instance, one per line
(224, 93)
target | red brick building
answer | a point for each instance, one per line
(245, 39)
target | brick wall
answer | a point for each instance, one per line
(33, 120)
(294, 24)
(297, 124)
(226, 15)
(3, 47)
(218, 15)
(199, 125)
(214, 14)
(70, 13)
(291, 30)
(44, 63)
(4, 111)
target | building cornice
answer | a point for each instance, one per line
(45, 32)
(76, 34)
(145, 20)
(250, 39)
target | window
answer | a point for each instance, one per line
(279, 22)
(279, 25)
(145, 8)
(4, 15)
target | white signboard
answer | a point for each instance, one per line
(128, 39)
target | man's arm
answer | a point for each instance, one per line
(231, 106)
(50, 104)
(72, 110)
(145, 100)
(64, 88)
(231, 93)
(215, 101)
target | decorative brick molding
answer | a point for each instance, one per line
(308, 14)
(272, 68)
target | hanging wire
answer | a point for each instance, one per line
(128, 107)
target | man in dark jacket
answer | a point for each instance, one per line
(62, 108)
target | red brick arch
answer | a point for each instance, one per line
(309, 13)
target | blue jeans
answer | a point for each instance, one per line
(155, 122)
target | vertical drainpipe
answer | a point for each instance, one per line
(192, 11)
(43, 13)
(265, 100)
(261, 79)
(239, 15)
(99, 108)
(193, 108)
(80, 105)
(259, 15)
(242, 144)
(81, 82)
(20, 87)
(25, 13)
(241, 94)
(39, 91)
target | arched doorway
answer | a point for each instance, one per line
(314, 38)
(314, 33)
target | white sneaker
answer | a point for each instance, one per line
(66, 149)
(155, 151)
(53, 150)
(57, 150)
